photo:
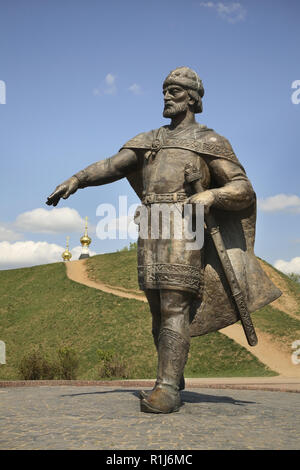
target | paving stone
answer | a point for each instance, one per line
(85, 417)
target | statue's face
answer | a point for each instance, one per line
(176, 100)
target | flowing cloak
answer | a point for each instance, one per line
(215, 308)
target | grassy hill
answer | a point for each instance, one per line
(41, 306)
(119, 269)
(116, 269)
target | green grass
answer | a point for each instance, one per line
(41, 306)
(116, 269)
(278, 324)
(293, 287)
(215, 355)
(119, 269)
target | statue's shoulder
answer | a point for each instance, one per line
(198, 138)
(141, 141)
(214, 144)
(210, 136)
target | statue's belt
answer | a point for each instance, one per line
(152, 198)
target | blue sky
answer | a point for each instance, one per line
(83, 77)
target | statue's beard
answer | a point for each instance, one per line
(171, 110)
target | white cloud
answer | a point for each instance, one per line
(6, 234)
(292, 266)
(108, 87)
(232, 12)
(280, 202)
(207, 4)
(135, 89)
(28, 253)
(62, 220)
(110, 79)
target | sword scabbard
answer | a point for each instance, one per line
(230, 275)
(232, 280)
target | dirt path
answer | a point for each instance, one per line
(76, 272)
(266, 351)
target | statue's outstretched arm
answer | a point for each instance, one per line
(102, 172)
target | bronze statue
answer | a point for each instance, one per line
(190, 292)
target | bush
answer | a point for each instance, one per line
(132, 247)
(35, 366)
(112, 365)
(68, 364)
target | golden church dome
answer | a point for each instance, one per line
(67, 255)
(85, 240)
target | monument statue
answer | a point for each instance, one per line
(190, 292)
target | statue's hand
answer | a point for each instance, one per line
(206, 198)
(64, 190)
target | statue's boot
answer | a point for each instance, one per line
(164, 399)
(172, 356)
(146, 393)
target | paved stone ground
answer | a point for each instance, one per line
(85, 417)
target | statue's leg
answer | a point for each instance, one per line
(173, 347)
(153, 297)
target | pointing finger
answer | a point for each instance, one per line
(53, 201)
(55, 194)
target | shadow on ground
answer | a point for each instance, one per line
(187, 397)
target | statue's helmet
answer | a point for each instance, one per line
(190, 80)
